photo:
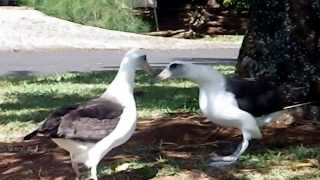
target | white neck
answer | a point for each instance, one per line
(208, 78)
(209, 87)
(121, 88)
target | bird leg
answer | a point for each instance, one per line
(94, 173)
(75, 167)
(227, 160)
(76, 170)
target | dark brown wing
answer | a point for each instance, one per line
(51, 123)
(91, 121)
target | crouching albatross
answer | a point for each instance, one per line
(229, 103)
(90, 130)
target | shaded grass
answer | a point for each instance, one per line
(38, 95)
(25, 101)
(295, 163)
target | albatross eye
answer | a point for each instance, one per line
(174, 66)
(144, 57)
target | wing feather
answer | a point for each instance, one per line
(255, 97)
(90, 121)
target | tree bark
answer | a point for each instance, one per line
(282, 46)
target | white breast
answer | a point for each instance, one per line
(218, 107)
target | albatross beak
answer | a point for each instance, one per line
(147, 68)
(165, 74)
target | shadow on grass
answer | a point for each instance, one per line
(175, 146)
(179, 146)
(41, 162)
(182, 143)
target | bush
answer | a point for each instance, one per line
(109, 14)
(238, 5)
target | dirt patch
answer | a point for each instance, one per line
(184, 137)
(220, 22)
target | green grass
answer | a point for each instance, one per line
(293, 163)
(144, 168)
(236, 39)
(24, 102)
(109, 14)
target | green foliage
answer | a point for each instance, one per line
(109, 14)
(238, 5)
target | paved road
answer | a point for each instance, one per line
(28, 63)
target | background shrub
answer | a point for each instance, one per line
(109, 14)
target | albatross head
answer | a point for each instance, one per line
(137, 59)
(194, 72)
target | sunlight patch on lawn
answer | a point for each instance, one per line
(236, 39)
(30, 99)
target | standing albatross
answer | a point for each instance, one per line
(229, 103)
(90, 130)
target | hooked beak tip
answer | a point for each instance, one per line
(163, 75)
(158, 77)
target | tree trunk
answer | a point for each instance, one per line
(282, 45)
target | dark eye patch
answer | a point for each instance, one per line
(144, 57)
(174, 66)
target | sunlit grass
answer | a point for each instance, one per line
(26, 101)
(109, 14)
(236, 39)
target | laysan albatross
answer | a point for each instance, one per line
(90, 130)
(228, 102)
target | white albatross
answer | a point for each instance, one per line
(229, 103)
(90, 130)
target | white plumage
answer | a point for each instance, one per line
(90, 130)
(217, 104)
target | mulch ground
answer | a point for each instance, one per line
(221, 22)
(184, 137)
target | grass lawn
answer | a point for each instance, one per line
(110, 14)
(24, 102)
(236, 39)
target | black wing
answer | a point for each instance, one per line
(91, 121)
(255, 97)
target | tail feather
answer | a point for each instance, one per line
(266, 119)
(30, 135)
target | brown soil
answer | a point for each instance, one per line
(183, 137)
(218, 21)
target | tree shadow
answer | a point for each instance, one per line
(164, 146)
(34, 160)
(186, 141)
